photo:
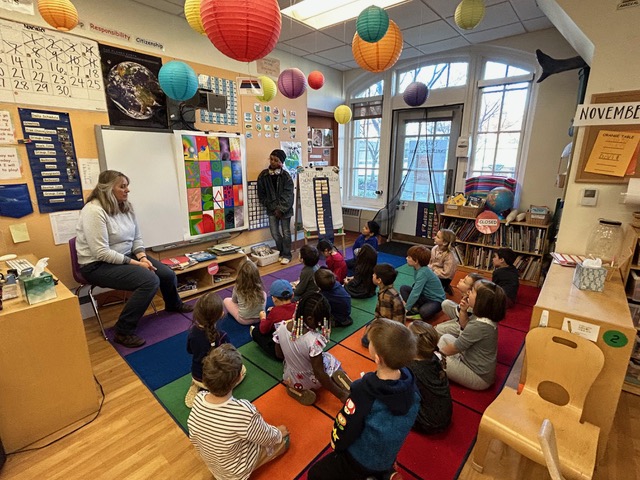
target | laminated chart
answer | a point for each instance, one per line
(220, 86)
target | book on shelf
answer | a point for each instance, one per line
(201, 256)
(224, 273)
(179, 262)
(225, 249)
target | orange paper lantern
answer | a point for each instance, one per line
(315, 80)
(379, 56)
(60, 14)
(244, 30)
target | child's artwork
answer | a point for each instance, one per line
(214, 182)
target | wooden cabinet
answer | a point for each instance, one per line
(604, 318)
(632, 274)
(475, 250)
(204, 281)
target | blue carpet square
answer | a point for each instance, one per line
(394, 260)
(238, 334)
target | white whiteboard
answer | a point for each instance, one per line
(148, 159)
(308, 205)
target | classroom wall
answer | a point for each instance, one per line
(180, 42)
(615, 67)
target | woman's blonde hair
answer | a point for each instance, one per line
(448, 239)
(103, 192)
(249, 284)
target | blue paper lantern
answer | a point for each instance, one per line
(372, 24)
(178, 80)
(415, 94)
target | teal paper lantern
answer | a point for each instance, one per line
(178, 80)
(372, 24)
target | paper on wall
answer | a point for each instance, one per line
(6, 128)
(63, 225)
(89, 172)
(10, 165)
(580, 328)
(19, 232)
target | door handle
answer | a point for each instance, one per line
(378, 192)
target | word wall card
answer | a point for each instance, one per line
(44, 67)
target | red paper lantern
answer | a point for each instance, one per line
(244, 30)
(316, 80)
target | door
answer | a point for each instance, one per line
(424, 161)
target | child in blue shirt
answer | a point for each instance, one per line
(336, 295)
(369, 236)
(426, 295)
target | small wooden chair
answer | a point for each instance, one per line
(561, 368)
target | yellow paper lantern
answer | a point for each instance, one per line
(269, 89)
(379, 56)
(469, 13)
(60, 14)
(342, 114)
(192, 14)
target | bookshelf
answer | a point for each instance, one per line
(475, 250)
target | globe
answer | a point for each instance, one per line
(500, 199)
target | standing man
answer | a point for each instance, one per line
(275, 192)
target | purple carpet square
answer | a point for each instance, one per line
(291, 274)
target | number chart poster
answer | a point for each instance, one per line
(53, 161)
(45, 67)
(134, 96)
(215, 182)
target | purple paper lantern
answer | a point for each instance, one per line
(415, 94)
(292, 83)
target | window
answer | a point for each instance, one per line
(367, 122)
(503, 96)
(440, 75)
(374, 90)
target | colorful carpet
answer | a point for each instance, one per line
(163, 365)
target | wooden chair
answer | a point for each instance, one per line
(561, 368)
(547, 439)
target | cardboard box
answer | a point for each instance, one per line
(589, 278)
(38, 289)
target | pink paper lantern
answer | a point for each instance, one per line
(292, 83)
(244, 30)
(316, 80)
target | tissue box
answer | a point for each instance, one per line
(589, 278)
(38, 289)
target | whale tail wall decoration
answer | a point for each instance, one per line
(551, 65)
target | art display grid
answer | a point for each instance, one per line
(220, 86)
(258, 217)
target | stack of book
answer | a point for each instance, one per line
(224, 249)
(179, 262)
(223, 273)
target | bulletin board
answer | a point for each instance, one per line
(314, 197)
(591, 134)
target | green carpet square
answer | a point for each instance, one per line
(406, 270)
(255, 383)
(366, 304)
(360, 319)
(171, 396)
(253, 353)
(403, 279)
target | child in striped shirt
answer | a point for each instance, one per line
(229, 433)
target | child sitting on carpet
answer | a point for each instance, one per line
(443, 261)
(300, 343)
(283, 309)
(436, 406)
(338, 298)
(361, 284)
(426, 295)
(369, 236)
(505, 274)
(203, 337)
(376, 419)
(472, 356)
(390, 304)
(309, 256)
(334, 259)
(229, 433)
(451, 308)
(247, 300)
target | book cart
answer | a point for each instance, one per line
(474, 250)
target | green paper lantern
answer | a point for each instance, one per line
(269, 89)
(469, 13)
(372, 24)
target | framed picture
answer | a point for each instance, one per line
(317, 137)
(327, 138)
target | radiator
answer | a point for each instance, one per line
(351, 219)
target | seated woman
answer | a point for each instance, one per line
(111, 254)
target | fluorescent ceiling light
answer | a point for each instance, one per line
(322, 13)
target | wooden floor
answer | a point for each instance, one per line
(135, 438)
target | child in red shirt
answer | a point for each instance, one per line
(334, 259)
(284, 309)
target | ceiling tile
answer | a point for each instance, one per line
(411, 14)
(410, 52)
(315, 41)
(342, 67)
(163, 5)
(450, 44)
(493, 34)
(338, 55)
(180, 3)
(292, 50)
(444, 8)
(526, 9)
(328, 61)
(292, 28)
(343, 31)
(537, 24)
(432, 32)
(495, 16)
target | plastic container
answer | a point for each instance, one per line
(605, 241)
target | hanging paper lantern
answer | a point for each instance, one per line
(379, 56)
(469, 13)
(60, 14)
(415, 94)
(244, 30)
(269, 89)
(372, 24)
(342, 114)
(316, 80)
(178, 80)
(292, 83)
(192, 14)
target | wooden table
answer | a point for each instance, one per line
(46, 380)
(608, 312)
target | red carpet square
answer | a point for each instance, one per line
(476, 400)
(518, 317)
(510, 341)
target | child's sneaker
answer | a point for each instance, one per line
(414, 317)
(305, 397)
(342, 379)
(191, 395)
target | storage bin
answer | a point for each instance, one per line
(470, 212)
(450, 209)
(538, 219)
(261, 261)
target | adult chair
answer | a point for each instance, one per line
(560, 370)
